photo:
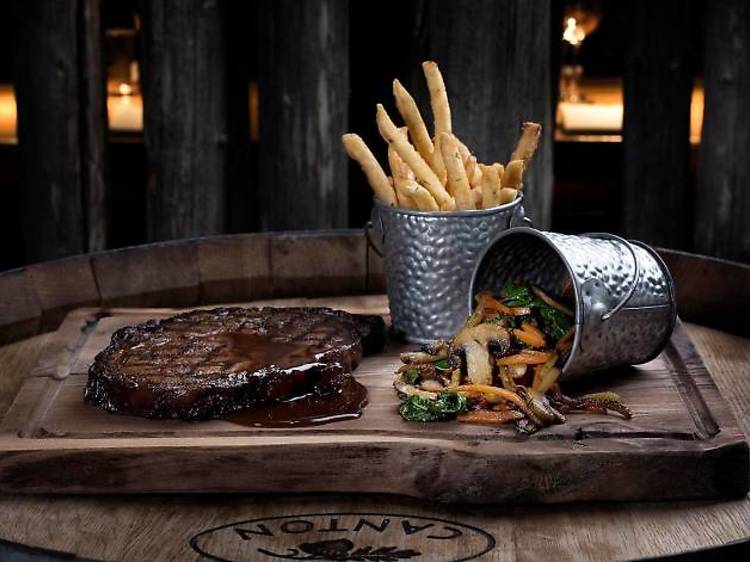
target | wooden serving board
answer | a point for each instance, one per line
(681, 443)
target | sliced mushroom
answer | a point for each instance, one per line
(432, 386)
(417, 357)
(478, 366)
(409, 389)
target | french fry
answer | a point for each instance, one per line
(458, 183)
(422, 199)
(358, 151)
(408, 109)
(513, 174)
(490, 186)
(500, 169)
(437, 163)
(399, 170)
(401, 174)
(402, 196)
(422, 171)
(477, 195)
(508, 194)
(463, 150)
(472, 171)
(527, 142)
(441, 110)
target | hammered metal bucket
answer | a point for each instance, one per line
(429, 261)
(624, 294)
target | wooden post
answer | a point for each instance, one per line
(47, 93)
(723, 204)
(185, 117)
(495, 57)
(304, 88)
(93, 125)
(657, 90)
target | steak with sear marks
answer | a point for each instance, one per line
(208, 363)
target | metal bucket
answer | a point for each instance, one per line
(429, 261)
(624, 294)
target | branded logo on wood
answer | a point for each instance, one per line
(344, 537)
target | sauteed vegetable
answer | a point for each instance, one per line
(502, 367)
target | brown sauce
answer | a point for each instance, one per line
(346, 402)
(249, 351)
(333, 397)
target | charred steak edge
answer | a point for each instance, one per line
(174, 368)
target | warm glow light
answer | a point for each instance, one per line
(573, 34)
(124, 89)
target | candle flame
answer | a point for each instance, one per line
(124, 89)
(573, 33)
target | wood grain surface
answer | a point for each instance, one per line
(681, 444)
(185, 113)
(159, 527)
(658, 58)
(721, 206)
(453, 34)
(305, 109)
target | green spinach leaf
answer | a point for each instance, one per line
(444, 407)
(554, 322)
(517, 295)
(442, 365)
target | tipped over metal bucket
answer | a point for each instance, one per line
(624, 294)
(429, 261)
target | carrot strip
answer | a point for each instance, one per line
(520, 311)
(487, 390)
(529, 334)
(489, 417)
(526, 357)
(490, 304)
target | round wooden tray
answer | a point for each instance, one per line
(713, 296)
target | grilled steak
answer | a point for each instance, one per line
(207, 363)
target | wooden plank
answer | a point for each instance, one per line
(160, 274)
(703, 293)
(20, 312)
(93, 124)
(316, 264)
(159, 528)
(61, 286)
(304, 85)
(722, 203)
(47, 93)
(682, 442)
(234, 268)
(495, 58)
(657, 89)
(185, 118)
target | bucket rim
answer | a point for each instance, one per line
(540, 235)
(449, 214)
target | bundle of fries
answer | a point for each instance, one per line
(437, 173)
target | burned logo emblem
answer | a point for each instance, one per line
(344, 537)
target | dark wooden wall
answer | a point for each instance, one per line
(495, 57)
(205, 176)
(304, 106)
(656, 130)
(184, 78)
(48, 93)
(722, 213)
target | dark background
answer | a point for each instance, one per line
(386, 40)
